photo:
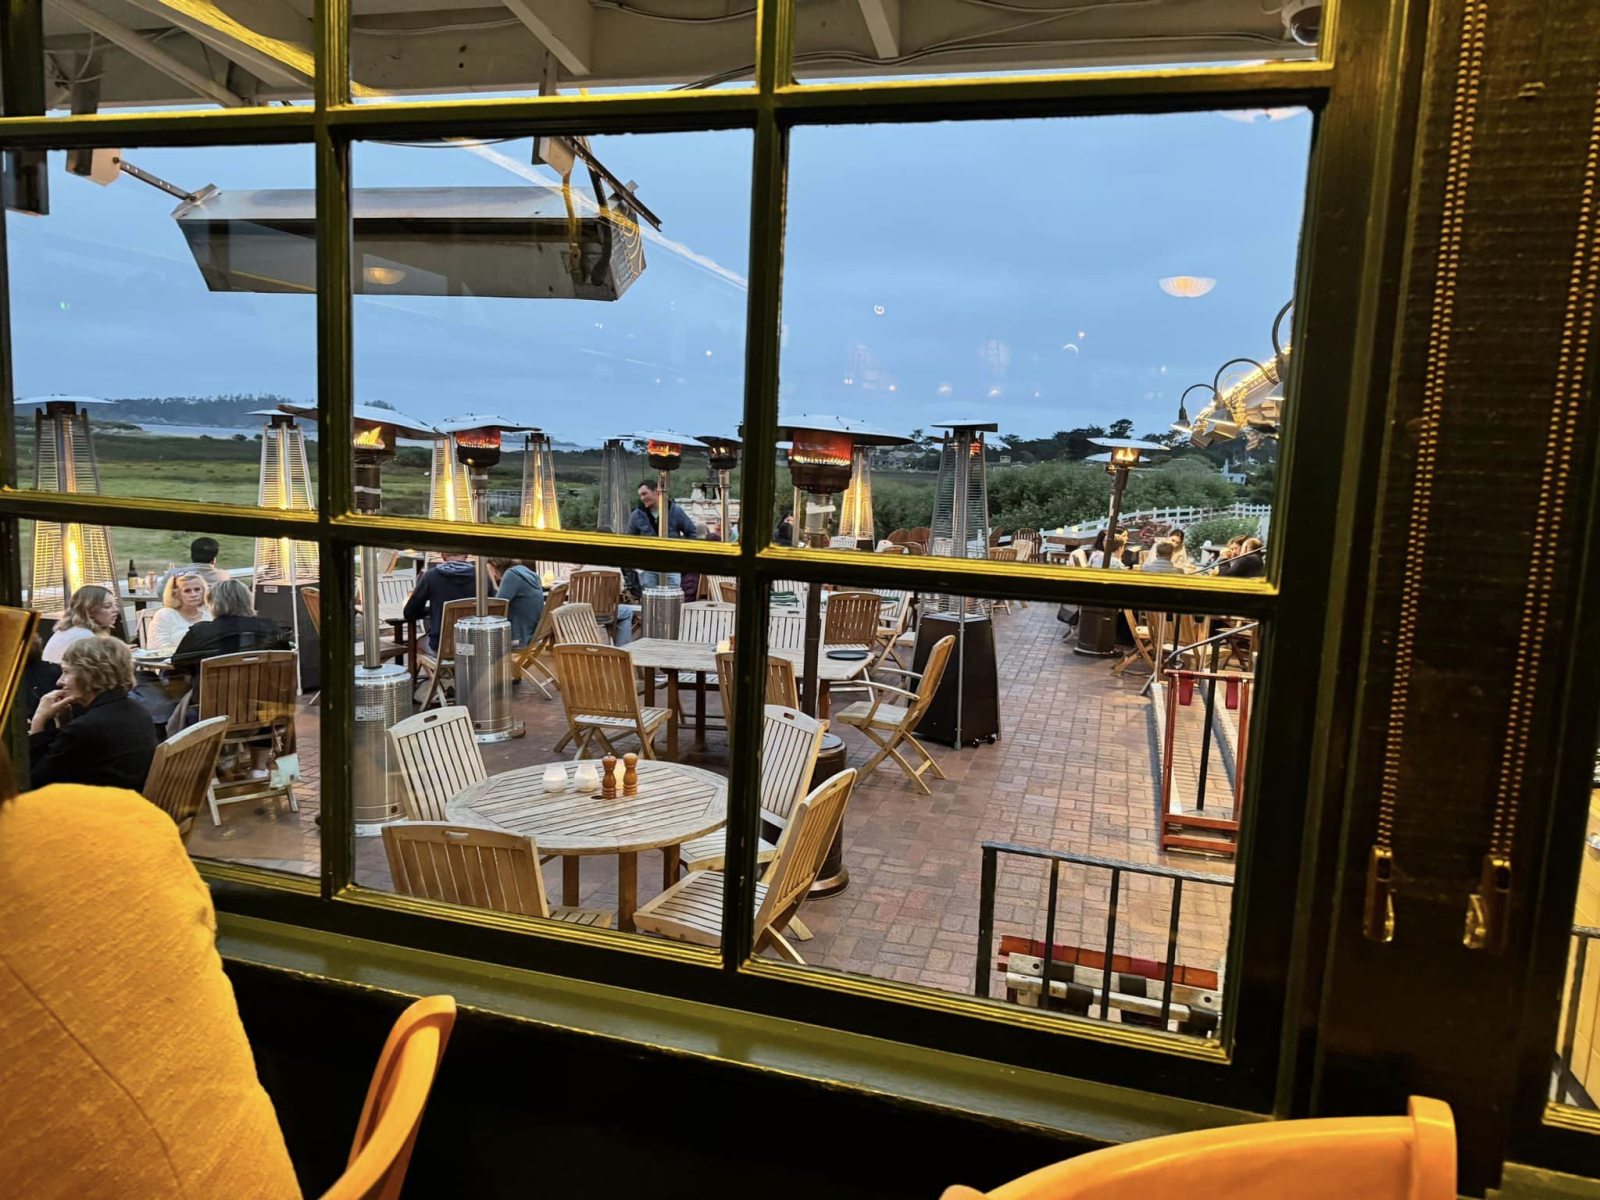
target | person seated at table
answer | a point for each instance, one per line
(234, 628)
(1248, 563)
(455, 578)
(203, 553)
(91, 612)
(1180, 555)
(1118, 548)
(519, 587)
(124, 1065)
(1159, 560)
(38, 676)
(88, 730)
(183, 607)
(644, 522)
(783, 531)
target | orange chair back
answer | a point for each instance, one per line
(381, 1151)
(1376, 1158)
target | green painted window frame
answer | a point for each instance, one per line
(1326, 480)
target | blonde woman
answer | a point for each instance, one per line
(88, 730)
(185, 606)
(91, 613)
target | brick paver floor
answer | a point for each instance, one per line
(1075, 770)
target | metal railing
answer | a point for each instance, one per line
(990, 879)
(1567, 1088)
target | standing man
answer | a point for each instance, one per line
(203, 553)
(643, 522)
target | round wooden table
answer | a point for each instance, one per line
(674, 804)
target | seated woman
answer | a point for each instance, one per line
(234, 628)
(184, 600)
(91, 613)
(524, 595)
(88, 730)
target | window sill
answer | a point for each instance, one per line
(1085, 1114)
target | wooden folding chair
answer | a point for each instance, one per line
(1145, 629)
(143, 619)
(706, 622)
(256, 692)
(786, 631)
(481, 868)
(182, 770)
(527, 662)
(597, 687)
(782, 687)
(852, 620)
(890, 726)
(438, 758)
(691, 909)
(574, 625)
(442, 665)
(600, 590)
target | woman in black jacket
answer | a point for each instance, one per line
(88, 730)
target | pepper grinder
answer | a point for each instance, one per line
(608, 777)
(630, 775)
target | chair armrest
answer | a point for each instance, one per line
(884, 687)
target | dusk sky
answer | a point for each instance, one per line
(1008, 270)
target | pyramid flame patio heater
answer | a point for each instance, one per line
(539, 508)
(284, 566)
(449, 486)
(67, 555)
(612, 516)
(483, 642)
(966, 706)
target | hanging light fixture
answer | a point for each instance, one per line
(1182, 424)
(67, 555)
(539, 509)
(483, 642)
(1187, 287)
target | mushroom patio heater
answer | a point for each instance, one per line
(612, 516)
(966, 707)
(483, 642)
(285, 566)
(539, 509)
(67, 555)
(823, 454)
(663, 604)
(1097, 627)
(722, 453)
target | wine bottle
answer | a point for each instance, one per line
(133, 576)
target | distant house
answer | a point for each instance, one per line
(1231, 476)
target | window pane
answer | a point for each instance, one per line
(490, 286)
(1139, 317)
(844, 40)
(221, 613)
(149, 333)
(1576, 1079)
(1050, 756)
(128, 57)
(476, 729)
(540, 47)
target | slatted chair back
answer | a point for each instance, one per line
(711, 588)
(394, 590)
(802, 849)
(462, 864)
(706, 622)
(455, 610)
(782, 688)
(920, 537)
(183, 769)
(438, 757)
(254, 691)
(932, 673)
(556, 572)
(786, 631)
(725, 590)
(1003, 554)
(145, 618)
(597, 681)
(601, 590)
(892, 550)
(852, 619)
(914, 548)
(545, 631)
(313, 602)
(890, 614)
(899, 536)
(790, 741)
(1024, 551)
(575, 625)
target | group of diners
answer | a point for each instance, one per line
(1241, 558)
(94, 721)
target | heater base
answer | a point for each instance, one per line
(518, 729)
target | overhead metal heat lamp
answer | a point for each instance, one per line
(483, 642)
(1097, 627)
(615, 476)
(285, 566)
(539, 509)
(1249, 403)
(67, 555)
(824, 454)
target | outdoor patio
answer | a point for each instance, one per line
(1076, 770)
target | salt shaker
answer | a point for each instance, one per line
(630, 776)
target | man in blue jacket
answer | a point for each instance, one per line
(643, 522)
(454, 578)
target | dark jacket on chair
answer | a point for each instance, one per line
(108, 744)
(228, 635)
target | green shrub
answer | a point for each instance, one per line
(1218, 531)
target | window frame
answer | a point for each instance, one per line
(1349, 223)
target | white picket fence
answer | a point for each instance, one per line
(1182, 517)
